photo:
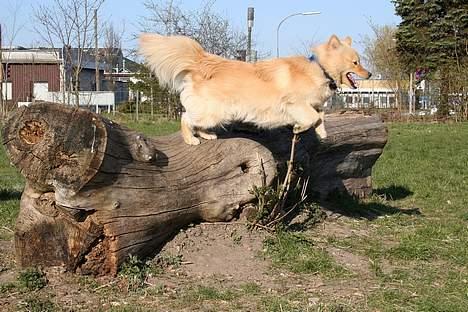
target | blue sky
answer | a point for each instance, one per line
(339, 17)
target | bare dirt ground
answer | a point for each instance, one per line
(206, 267)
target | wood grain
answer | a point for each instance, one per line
(97, 192)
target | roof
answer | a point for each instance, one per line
(48, 56)
(30, 56)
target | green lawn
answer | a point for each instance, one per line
(431, 162)
(412, 233)
(425, 168)
(147, 125)
(11, 186)
(416, 246)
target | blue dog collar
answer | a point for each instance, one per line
(331, 82)
(312, 58)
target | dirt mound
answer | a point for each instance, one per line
(229, 251)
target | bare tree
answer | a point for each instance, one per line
(112, 50)
(213, 31)
(381, 56)
(305, 47)
(8, 34)
(68, 23)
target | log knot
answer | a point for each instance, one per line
(33, 131)
(97, 192)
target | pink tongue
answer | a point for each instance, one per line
(351, 78)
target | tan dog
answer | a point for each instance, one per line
(285, 91)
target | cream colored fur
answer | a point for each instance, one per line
(215, 91)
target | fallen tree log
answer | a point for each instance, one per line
(96, 192)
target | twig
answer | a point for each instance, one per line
(269, 230)
(287, 213)
(286, 183)
(303, 198)
(105, 285)
(240, 223)
(7, 229)
(262, 170)
(287, 178)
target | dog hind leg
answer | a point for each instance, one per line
(207, 135)
(187, 131)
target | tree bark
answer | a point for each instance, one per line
(97, 192)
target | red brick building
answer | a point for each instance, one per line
(23, 68)
(44, 75)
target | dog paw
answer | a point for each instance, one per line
(299, 129)
(322, 134)
(207, 136)
(192, 141)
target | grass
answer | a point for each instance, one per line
(11, 186)
(146, 125)
(416, 232)
(297, 254)
(34, 304)
(201, 293)
(32, 279)
(413, 231)
(428, 164)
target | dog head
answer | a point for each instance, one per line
(341, 61)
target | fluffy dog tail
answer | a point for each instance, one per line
(171, 57)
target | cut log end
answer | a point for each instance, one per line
(97, 192)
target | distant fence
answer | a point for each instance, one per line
(100, 100)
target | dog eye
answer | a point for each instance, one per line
(355, 62)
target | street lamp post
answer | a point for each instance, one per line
(284, 19)
(250, 22)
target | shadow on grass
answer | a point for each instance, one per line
(9, 194)
(393, 192)
(350, 206)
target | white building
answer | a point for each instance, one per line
(373, 93)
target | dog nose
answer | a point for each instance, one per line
(370, 75)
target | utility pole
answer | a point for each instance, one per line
(152, 95)
(410, 104)
(96, 53)
(250, 23)
(137, 105)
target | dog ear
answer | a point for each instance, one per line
(348, 40)
(334, 42)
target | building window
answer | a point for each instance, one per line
(365, 99)
(383, 101)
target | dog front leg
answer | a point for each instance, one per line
(187, 131)
(304, 116)
(320, 128)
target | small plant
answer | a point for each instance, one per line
(169, 260)
(267, 198)
(201, 293)
(236, 237)
(8, 287)
(251, 288)
(275, 205)
(37, 305)
(134, 272)
(32, 279)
